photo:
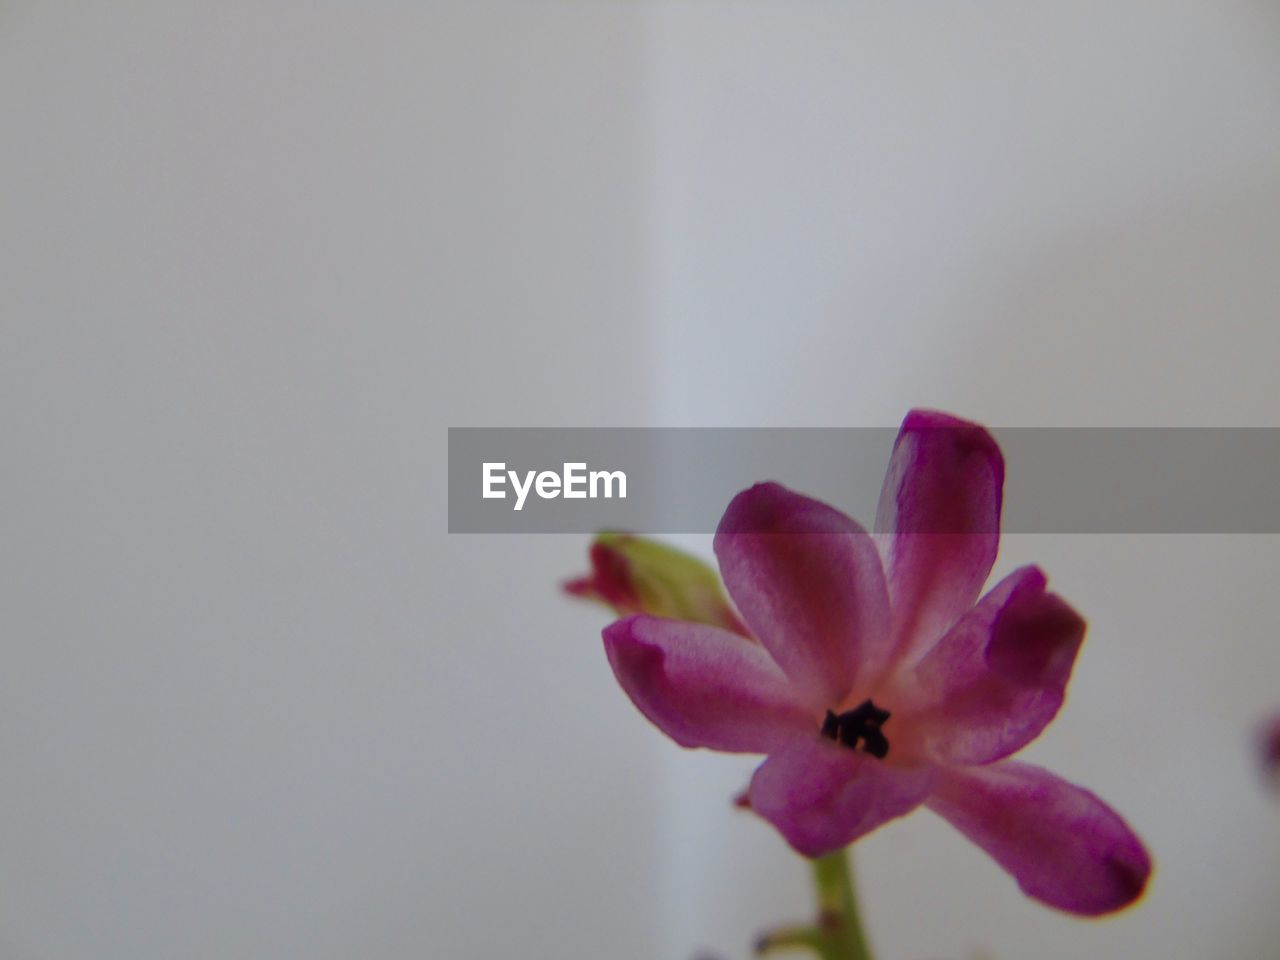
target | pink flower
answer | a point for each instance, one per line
(876, 680)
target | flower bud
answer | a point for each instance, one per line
(633, 574)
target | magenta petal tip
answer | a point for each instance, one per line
(1063, 845)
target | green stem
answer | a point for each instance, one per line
(837, 935)
(838, 916)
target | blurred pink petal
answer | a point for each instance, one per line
(1063, 845)
(1269, 747)
(705, 687)
(938, 523)
(808, 582)
(822, 797)
(997, 677)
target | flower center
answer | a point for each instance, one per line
(862, 723)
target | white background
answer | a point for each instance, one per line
(255, 257)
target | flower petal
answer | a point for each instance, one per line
(997, 677)
(808, 582)
(822, 797)
(1269, 747)
(634, 574)
(938, 523)
(1063, 845)
(703, 686)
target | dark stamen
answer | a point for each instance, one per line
(863, 723)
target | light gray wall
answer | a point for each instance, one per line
(255, 701)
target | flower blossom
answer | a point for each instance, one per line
(872, 673)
